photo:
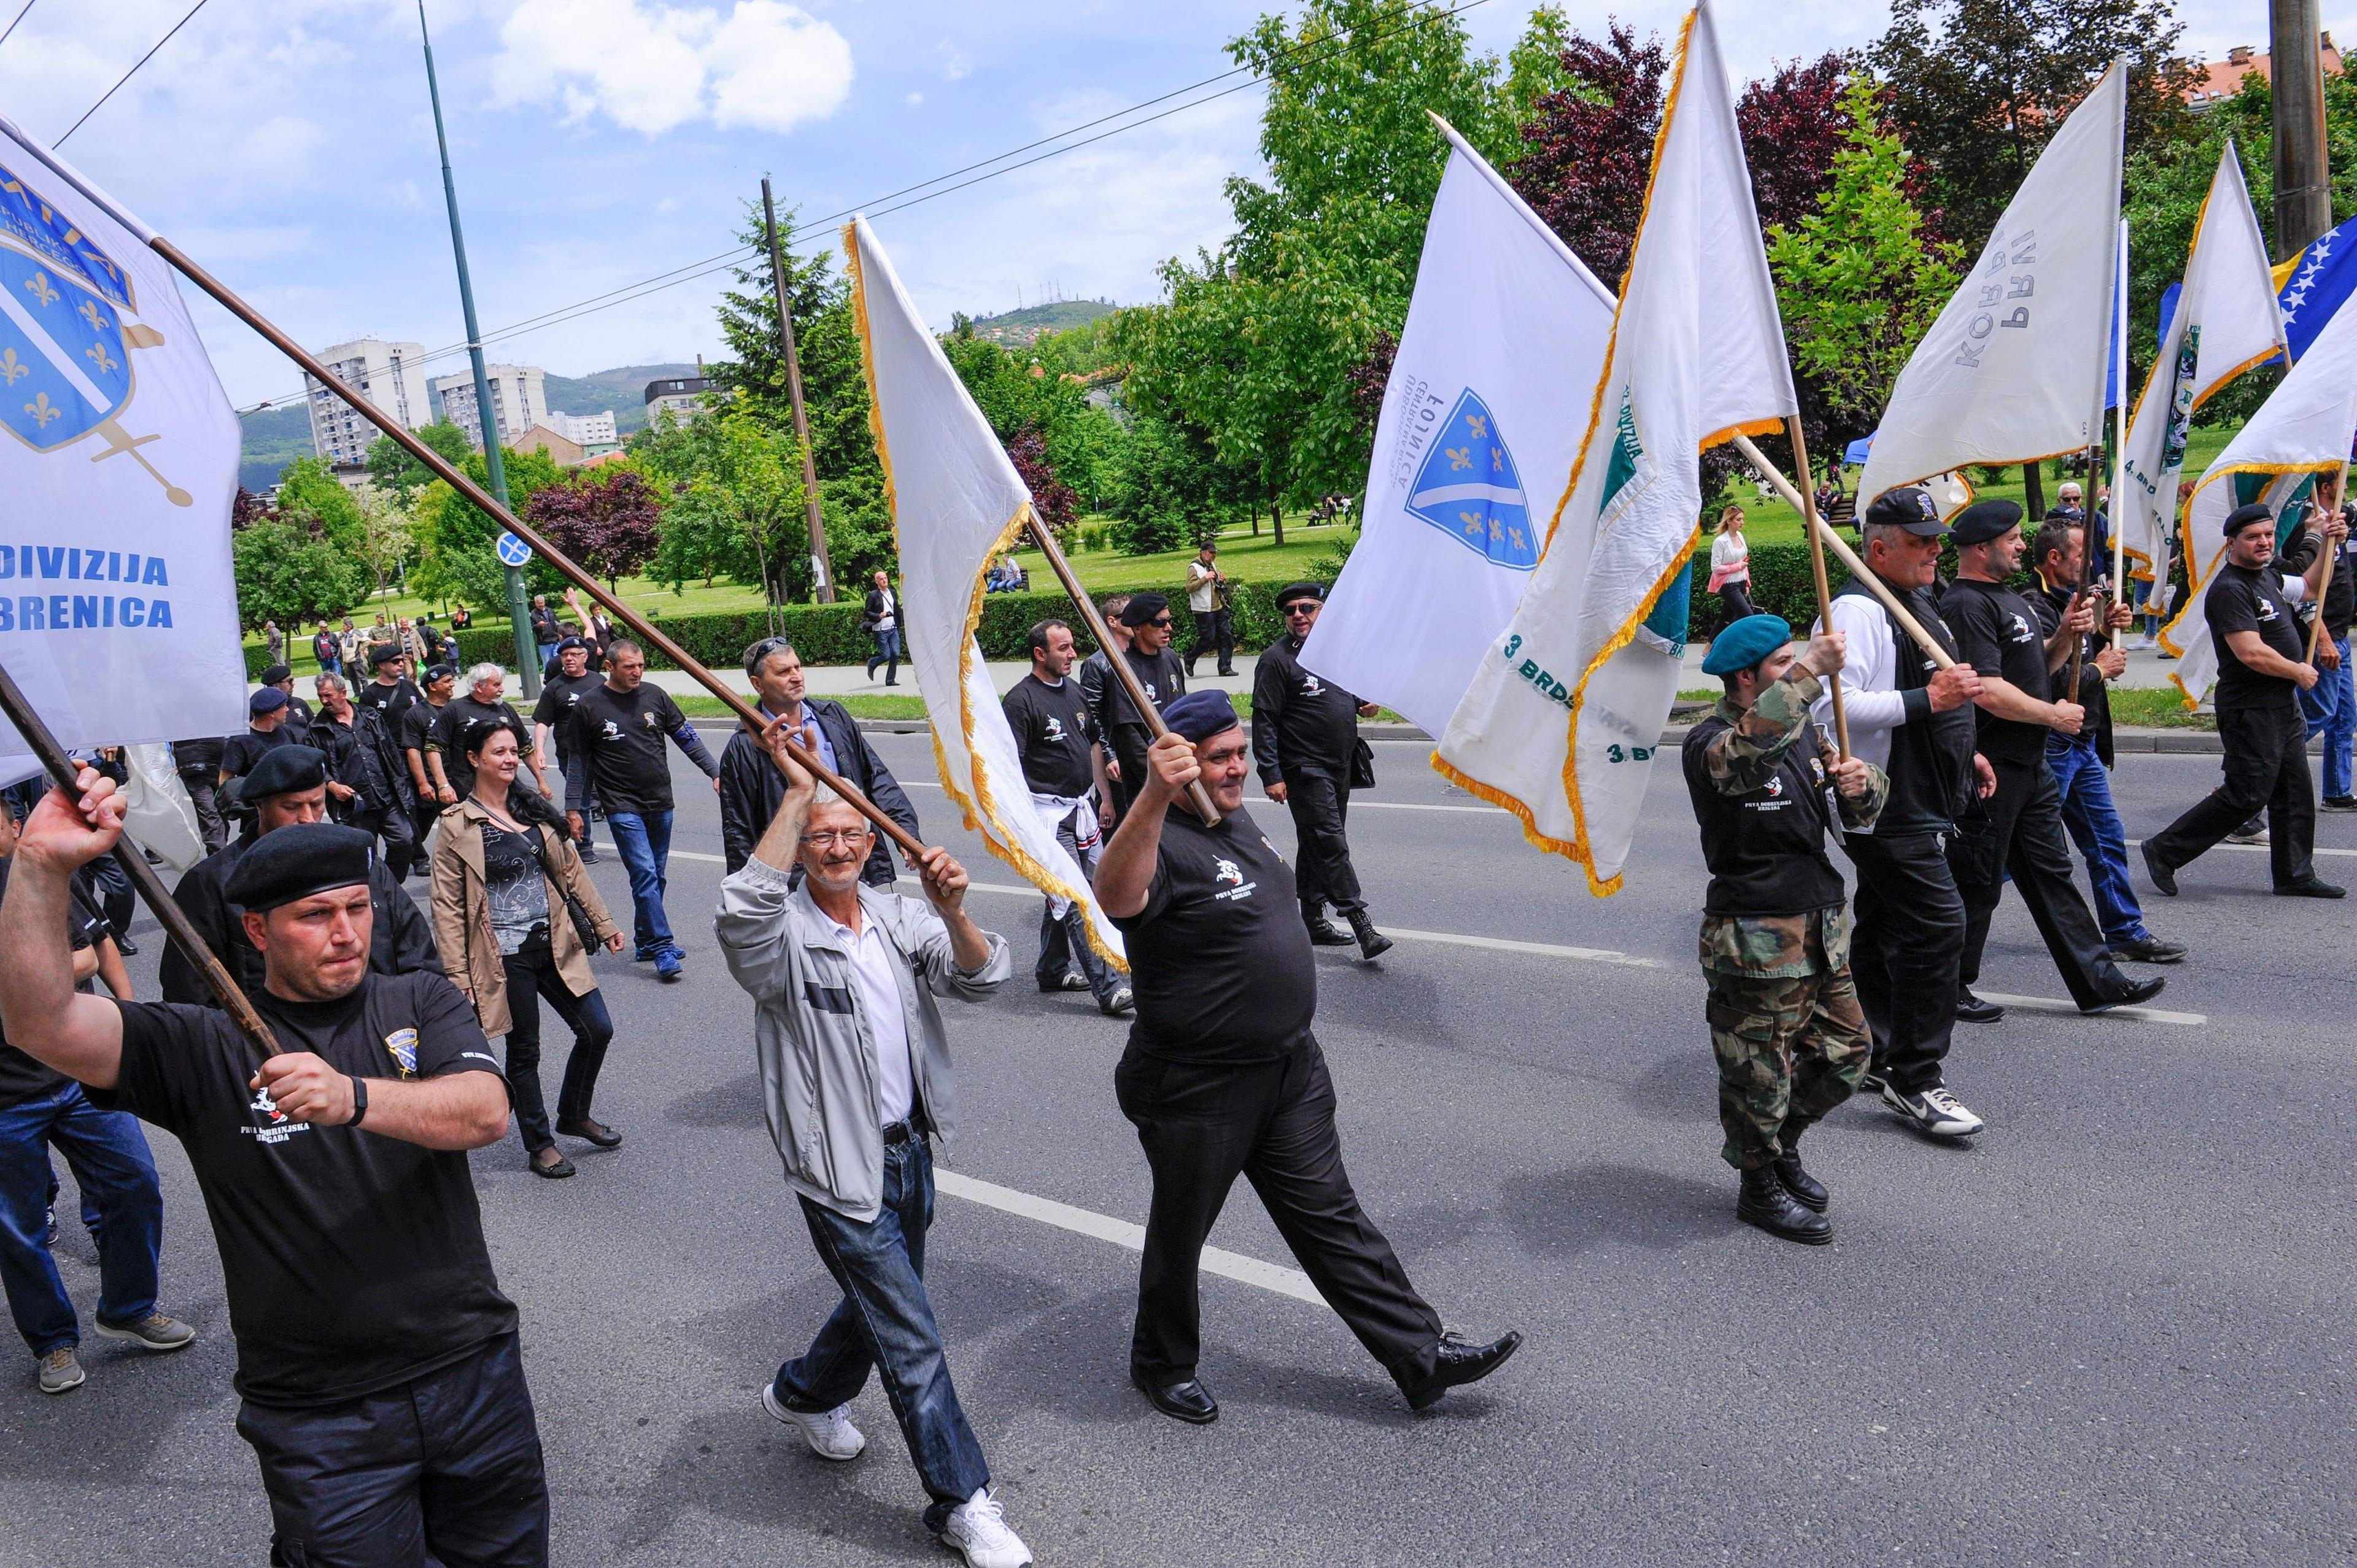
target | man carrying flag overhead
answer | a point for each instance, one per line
(1565, 710)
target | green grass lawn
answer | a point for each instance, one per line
(882, 707)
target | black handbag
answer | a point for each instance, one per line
(583, 926)
(1363, 764)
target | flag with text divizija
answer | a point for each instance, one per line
(118, 466)
(957, 502)
(1507, 331)
(2015, 369)
(1567, 710)
(2227, 321)
(2302, 431)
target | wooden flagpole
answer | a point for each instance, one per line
(442, 470)
(1815, 529)
(2316, 626)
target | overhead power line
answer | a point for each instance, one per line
(126, 75)
(18, 18)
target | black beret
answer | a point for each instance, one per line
(569, 644)
(385, 654)
(1985, 520)
(1200, 714)
(297, 861)
(1143, 607)
(441, 672)
(1285, 595)
(275, 674)
(282, 770)
(268, 700)
(2241, 517)
(1909, 507)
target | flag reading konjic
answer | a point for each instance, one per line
(1565, 712)
(956, 503)
(118, 465)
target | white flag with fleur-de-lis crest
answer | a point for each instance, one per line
(118, 463)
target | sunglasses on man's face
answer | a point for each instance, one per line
(1165, 622)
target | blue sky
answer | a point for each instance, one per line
(287, 144)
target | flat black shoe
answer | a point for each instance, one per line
(2137, 994)
(2163, 874)
(1189, 1400)
(1457, 1362)
(1764, 1202)
(597, 1131)
(2148, 950)
(1971, 1009)
(126, 947)
(1803, 1187)
(2338, 803)
(555, 1170)
(2314, 887)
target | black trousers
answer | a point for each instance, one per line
(2017, 832)
(1214, 632)
(1322, 809)
(531, 974)
(1202, 1124)
(2265, 765)
(202, 785)
(447, 1464)
(1130, 743)
(1905, 945)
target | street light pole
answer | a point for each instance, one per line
(519, 613)
(2296, 72)
(820, 566)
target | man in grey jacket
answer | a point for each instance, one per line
(855, 1080)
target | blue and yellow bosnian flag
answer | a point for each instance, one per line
(1564, 716)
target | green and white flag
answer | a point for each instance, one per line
(1564, 714)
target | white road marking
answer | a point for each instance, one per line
(2071, 1010)
(2250, 849)
(1122, 1233)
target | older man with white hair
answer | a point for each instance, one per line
(483, 703)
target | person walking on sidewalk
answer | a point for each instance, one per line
(880, 616)
(1206, 601)
(1730, 566)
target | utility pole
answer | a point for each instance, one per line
(2303, 187)
(821, 568)
(519, 613)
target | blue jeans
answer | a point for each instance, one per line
(643, 840)
(885, 1321)
(2331, 710)
(109, 1157)
(887, 653)
(2095, 826)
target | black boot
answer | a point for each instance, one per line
(1803, 1187)
(1322, 933)
(1765, 1203)
(1373, 943)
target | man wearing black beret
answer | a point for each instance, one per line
(2017, 828)
(383, 1391)
(298, 712)
(1157, 665)
(288, 787)
(2262, 668)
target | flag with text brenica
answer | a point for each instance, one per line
(1507, 331)
(957, 502)
(1567, 709)
(118, 466)
(2302, 431)
(2013, 369)
(2226, 321)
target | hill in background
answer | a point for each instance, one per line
(1021, 328)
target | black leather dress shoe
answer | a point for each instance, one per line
(1189, 1400)
(597, 1132)
(126, 947)
(1807, 1189)
(2141, 992)
(2314, 887)
(2148, 950)
(1971, 1009)
(1765, 1202)
(1457, 1362)
(2163, 874)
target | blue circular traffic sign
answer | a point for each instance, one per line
(514, 552)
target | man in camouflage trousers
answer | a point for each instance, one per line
(1786, 1022)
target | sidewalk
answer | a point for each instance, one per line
(851, 680)
(2147, 671)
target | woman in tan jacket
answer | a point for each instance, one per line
(503, 866)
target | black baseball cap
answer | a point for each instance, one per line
(1909, 507)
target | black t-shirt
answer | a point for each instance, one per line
(558, 695)
(353, 1262)
(201, 754)
(415, 729)
(623, 737)
(241, 752)
(1052, 731)
(1219, 957)
(1766, 849)
(21, 1077)
(2246, 598)
(1996, 634)
(393, 702)
(449, 737)
(1163, 675)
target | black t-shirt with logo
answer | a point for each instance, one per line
(558, 696)
(415, 729)
(1765, 848)
(1052, 729)
(1219, 959)
(623, 737)
(2250, 598)
(448, 737)
(21, 1077)
(1996, 634)
(353, 1262)
(393, 701)
(1162, 674)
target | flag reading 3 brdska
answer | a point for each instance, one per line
(118, 465)
(956, 502)
(1566, 711)
(1507, 329)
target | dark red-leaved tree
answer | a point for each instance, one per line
(1587, 151)
(1057, 506)
(1792, 124)
(1371, 376)
(607, 519)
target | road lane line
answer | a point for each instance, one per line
(2071, 1010)
(1122, 1233)
(2248, 849)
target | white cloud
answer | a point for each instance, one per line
(651, 68)
(955, 67)
(914, 99)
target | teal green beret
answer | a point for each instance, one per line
(1746, 643)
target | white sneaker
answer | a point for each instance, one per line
(829, 1433)
(1934, 1112)
(2144, 644)
(977, 1531)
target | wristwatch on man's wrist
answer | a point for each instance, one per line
(360, 1099)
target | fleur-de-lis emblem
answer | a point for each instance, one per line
(1477, 425)
(91, 313)
(97, 355)
(12, 368)
(1516, 535)
(43, 410)
(1497, 460)
(1460, 458)
(1472, 524)
(39, 286)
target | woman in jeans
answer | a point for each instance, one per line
(503, 867)
(1730, 566)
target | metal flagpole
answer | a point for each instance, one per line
(820, 567)
(518, 613)
(2120, 436)
(442, 468)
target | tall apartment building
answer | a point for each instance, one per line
(519, 401)
(583, 429)
(390, 375)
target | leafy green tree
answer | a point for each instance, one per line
(826, 344)
(389, 536)
(736, 507)
(289, 572)
(1169, 489)
(1856, 280)
(391, 467)
(313, 498)
(458, 554)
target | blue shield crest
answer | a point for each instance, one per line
(65, 370)
(1469, 488)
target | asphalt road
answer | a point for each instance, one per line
(2117, 1329)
